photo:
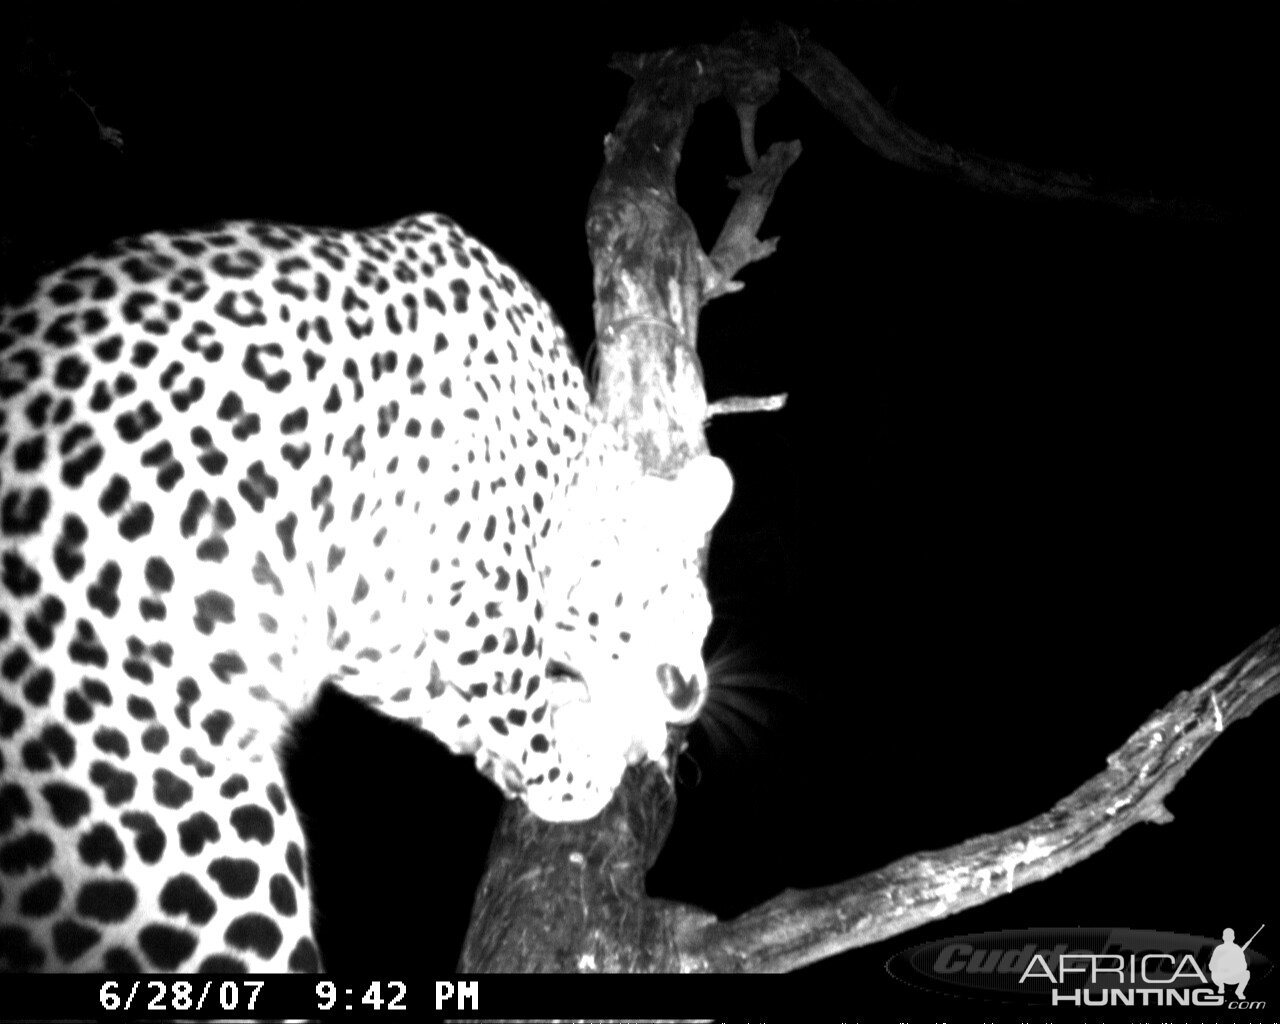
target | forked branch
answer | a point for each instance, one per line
(571, 897)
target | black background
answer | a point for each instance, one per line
(1022, 493)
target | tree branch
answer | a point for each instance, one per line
(798, 928)
(571, 897)
(853, 105)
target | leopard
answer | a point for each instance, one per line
(243, 463)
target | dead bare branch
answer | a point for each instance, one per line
(849, 101)
(737, 404)
(571, 897)
(651, 276)
(738, 244)
(801, 927)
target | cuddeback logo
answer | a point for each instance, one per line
(1089, 967)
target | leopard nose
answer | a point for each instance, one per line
(680, 692)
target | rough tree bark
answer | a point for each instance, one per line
(571, 898)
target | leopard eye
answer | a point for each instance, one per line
(560, 670)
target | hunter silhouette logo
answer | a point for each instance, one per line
(1227, 965)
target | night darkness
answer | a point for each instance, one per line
(1023, 492)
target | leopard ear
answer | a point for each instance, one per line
(706, 487)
